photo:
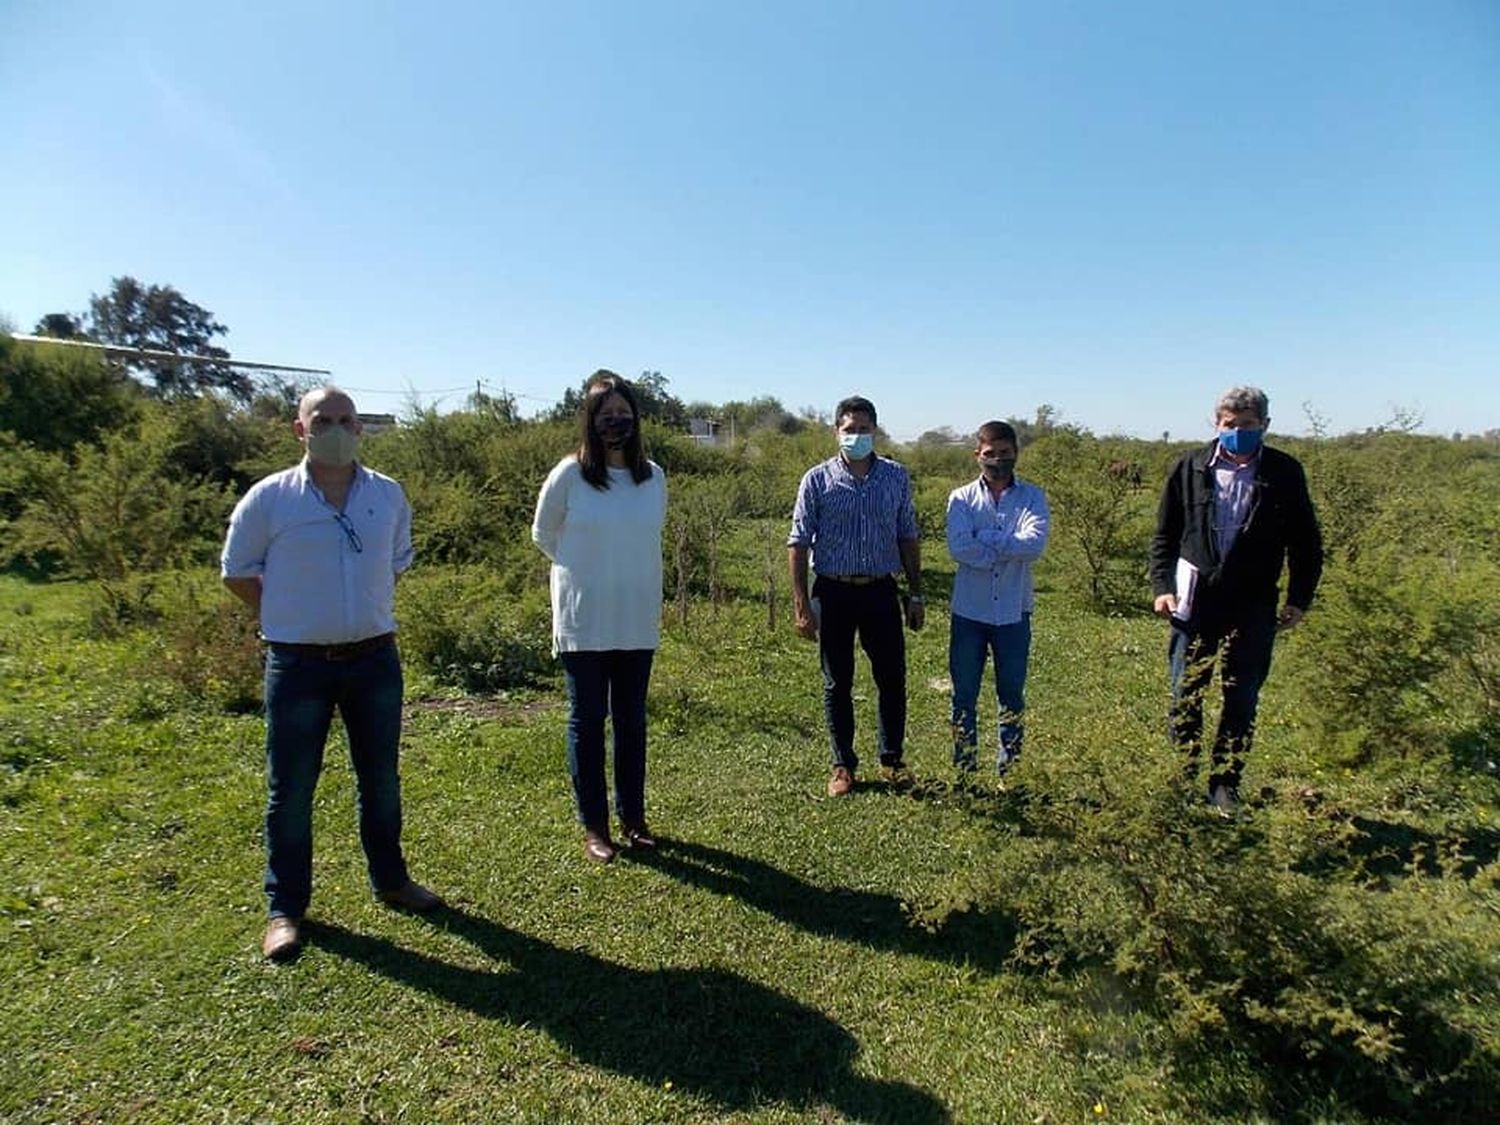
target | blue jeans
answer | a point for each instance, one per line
(970, 644)
(612, 683)
(302, 690)
(1244, 648)
(873, 613)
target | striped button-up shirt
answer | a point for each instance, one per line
(994, 543)
(853, 524)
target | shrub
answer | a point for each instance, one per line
(1402, 654)
(1381, 992)
(208, 643)
(468, 631)
(1102, 518)
(114, 513)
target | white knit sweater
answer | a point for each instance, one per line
(605, 547)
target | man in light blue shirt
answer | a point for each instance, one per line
(315, 550)
(997, 527)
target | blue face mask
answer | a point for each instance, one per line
(857, 447)
(1241, 442)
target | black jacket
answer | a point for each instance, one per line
(1281, 525)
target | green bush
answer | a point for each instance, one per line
(115, 514)
(467, 630)
(1401, 657)
(207, 643)
(1238, 942)
(1102, 518)
(53, 397)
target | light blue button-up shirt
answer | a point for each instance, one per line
(1234, 495)
(316, 588)
(994, 543)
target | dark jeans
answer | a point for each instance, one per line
(873, 613)
(610, 683)
(302, 690)
(1242, 647)
(970, 644)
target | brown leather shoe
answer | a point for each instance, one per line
(597, 846)
(840, 782)
(898, 777)
(283, 940)
(412, 896)
(637, 835)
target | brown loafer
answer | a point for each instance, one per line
(597, 846)
(637, 835)
(841, 782)
(898, 777)
(412, 896)
(283, 940)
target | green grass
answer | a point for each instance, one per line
(765, 966)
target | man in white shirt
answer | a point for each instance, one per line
(997, 527)
(315, 550)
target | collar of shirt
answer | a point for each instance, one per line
(988, 493)
(1222, 460)
(304, 470)
(842, 466)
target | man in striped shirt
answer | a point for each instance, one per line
(854, 515)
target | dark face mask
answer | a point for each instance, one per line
(999, 468)
(615, 431)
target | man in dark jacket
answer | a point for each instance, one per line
(1232, 513)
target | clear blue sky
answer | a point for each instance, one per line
(962, 210)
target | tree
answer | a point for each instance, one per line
(54, 397)
(159, 318)
(498, 407)
(943, 435)
(62, 326)
(657, 404)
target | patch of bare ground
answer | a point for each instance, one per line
(482, 706)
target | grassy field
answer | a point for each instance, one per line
(769, 964)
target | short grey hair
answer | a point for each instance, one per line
(1236, 399)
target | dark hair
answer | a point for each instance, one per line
(593, 458)
(997, 431)
(854, 404)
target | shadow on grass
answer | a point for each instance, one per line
(877, 921)
(1389, 849)
(1476, 749)
(707, 1031)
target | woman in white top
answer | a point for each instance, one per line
(599, 519)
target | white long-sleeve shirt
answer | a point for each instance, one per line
(605, 547)
(994, 543)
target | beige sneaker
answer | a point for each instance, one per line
(840, 782)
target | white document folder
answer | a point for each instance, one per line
(1187, 586)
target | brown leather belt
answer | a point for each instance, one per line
(346, 651)
(857, 579)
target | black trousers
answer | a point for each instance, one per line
(872, 613)
(1241, 646)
